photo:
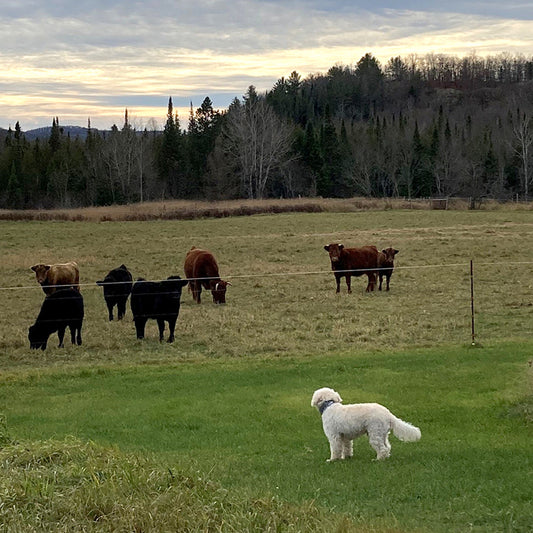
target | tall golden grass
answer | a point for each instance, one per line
(192, 209)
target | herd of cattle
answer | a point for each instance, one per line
(160, 300)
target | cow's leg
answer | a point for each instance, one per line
(380, 280)
(140, 323)
(196, 289)
(371, 282)
(338, 282)
(121, 308)
(72, 328)
(110, 310)
(171, 327)
(61, 335)
(161, 326)
(78, 336)
(349, 283)
(388, 281)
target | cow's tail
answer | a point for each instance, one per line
(404, 431)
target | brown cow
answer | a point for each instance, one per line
(201, 269)
(386, 264)
(353, 262)
(54, 277)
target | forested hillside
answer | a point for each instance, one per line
(435, 125)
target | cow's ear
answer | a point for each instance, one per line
(47, 267)
(341, 246)
(34, 268)
(383, 251)
(396, 252)
(325, 248)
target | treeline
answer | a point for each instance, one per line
(436, 125)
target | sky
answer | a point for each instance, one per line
(92, 59)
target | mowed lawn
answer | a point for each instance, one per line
(231, 396)
(249, 426)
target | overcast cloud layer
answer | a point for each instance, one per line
(93, 58)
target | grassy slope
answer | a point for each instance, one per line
(59, 486)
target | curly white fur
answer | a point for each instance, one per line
(343, 423)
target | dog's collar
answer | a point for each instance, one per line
(325, 405)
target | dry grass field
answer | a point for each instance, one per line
(282, 300)
(188, 209)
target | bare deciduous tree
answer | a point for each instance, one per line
(258, 140)
(523, 136)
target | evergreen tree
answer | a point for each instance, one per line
(55, 136)
(170, 160)
(330, 177)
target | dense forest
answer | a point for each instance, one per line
(422, 126)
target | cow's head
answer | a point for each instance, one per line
(334, 251)
(389, 254)
(175, 283)
(218, 289)
(38, 339)
(41, 271)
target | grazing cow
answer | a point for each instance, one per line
(55, 277)
(159, 300)
(201, 269)
(117, 287)
(61, 309)
(386, 264)
(353, 262)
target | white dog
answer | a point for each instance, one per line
(343, 423)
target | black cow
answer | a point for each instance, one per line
(117, 287)
(386, 265)
(60, 309)
(159, 300)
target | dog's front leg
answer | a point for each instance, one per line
(347, 448)
(335, 445)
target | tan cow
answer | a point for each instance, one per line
(53, 277)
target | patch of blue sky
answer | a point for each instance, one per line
(218, 99)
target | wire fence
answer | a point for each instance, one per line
(354, 271)
(444, 304)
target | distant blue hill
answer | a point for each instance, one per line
(73, 131)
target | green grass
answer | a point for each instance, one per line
(250, 425)
(229, 401)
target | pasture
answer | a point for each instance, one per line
(229, 399)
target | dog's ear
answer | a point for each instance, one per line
(315, 399)
(336, 397)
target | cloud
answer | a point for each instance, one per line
(93, 58)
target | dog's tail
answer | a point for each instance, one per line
(405, 431)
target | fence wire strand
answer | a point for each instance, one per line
(280, 274)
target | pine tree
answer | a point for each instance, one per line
(170, 161)
(55, 136)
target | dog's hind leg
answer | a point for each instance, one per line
(336, 448)
(381, 445)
